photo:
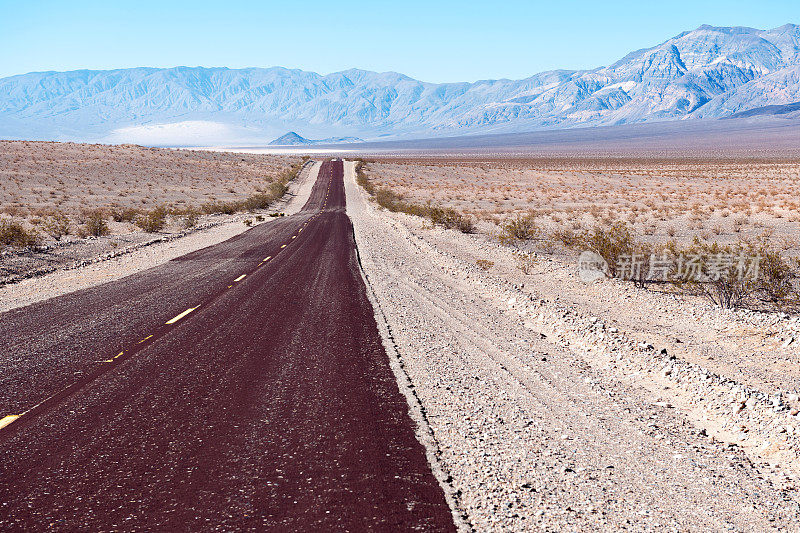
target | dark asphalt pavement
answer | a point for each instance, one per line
(270, 405)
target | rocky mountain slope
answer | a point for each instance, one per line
(710, 72)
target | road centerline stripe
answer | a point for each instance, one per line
(173, 320)
(6, 420)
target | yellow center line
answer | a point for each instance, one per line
(173, 320)
(268, 258)
(240, 278)
(6, 420)
(294, 236)
(283, 246)
(149, 336)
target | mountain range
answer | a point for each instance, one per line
(710, 72)
(293, 139)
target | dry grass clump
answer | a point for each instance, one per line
(57, 226)
(152, 221)
(446, 217)
(95, 224)
(484, 264)
(14, 234)
(749, 273)
(521, 227)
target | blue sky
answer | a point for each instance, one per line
(432, 41)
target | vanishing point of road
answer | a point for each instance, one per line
(242, 386)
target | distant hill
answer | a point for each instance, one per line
(769, 110)
(709, 72)
(293, 139)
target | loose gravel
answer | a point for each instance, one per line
(540, 417)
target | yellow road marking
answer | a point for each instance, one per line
(268, 258)
(240, 278)
(173, 320)
(149, 336)
(6, 420)
(283, 246)
(294, 236)
(118, 355)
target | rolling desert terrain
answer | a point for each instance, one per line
(81, 201)
(660, 199)
(541, 401)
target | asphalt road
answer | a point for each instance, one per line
(243, 386)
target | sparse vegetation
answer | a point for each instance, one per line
(57, 225)
(95, 224)
(152, 221)
(521, 227)
(484, 264)
(14, 234)
(526, 262)
(745, 274)
(124, 214)
(445, 217)
(190, 218)
(43, 181)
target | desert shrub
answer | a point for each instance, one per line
(484, 264)
(362, 179)
(567, 237)
(217, 207)
(522, 227)
(248, 222)
(746, 274)
(14, 234)
(613, 244)
(388, 199)
(260, 218)
(124, 214)
(152, 221)
(95, 224)
(190, 218)
(257, 201)
(278, 189)
(57, 225)
(465, 224)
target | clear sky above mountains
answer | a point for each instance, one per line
(432, 41)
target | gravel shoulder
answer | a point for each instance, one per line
(545, 416)
(104, 268)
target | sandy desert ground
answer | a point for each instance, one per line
(38, 177)
(659, 199)
(43, 182)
